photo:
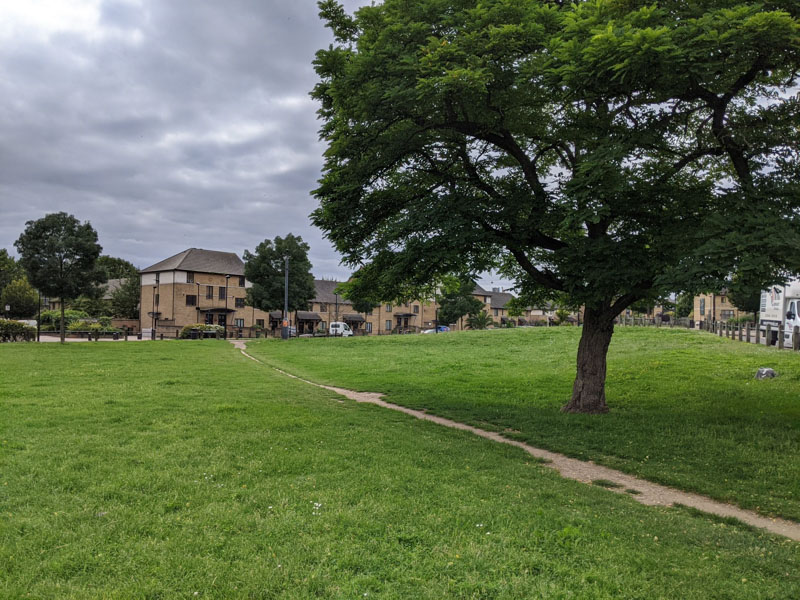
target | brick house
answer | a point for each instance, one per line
(199, 286)
(715, 307)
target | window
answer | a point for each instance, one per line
(239, 302)
(723, 300)
(368, 327)
(388, 325)
(416, 309)
(323, 325)
(496, 311)
(323, 307)
(189, 277)
(238, 322)
(241, 281)
(191, 300)
(209, 318)
(260, 323)
(702, 307)
(726, 314)
(389, 309)
(209, 292)
(221, 293)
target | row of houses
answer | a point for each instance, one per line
(207, 286)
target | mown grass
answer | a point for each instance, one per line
(685, 409)
(184, 470)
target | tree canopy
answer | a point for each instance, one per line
(265, 270)
(456, 300)
(59, 254)
(21, 298)
(117, 268)
(9, 269)
(605, 151)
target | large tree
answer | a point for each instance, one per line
(59, 254)
(608, 151)
(265, 270)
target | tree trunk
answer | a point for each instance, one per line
(63, 328)
(589, 389)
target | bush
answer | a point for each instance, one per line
(186, 332)
(51, 319)
(93, 326)
(742, 320)
(14, 331)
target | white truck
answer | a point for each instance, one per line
(780, 304)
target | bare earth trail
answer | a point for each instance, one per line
(649, 493)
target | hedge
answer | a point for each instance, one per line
(186, 332)
(14, 331)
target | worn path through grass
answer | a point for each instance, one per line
(685, 409)
(183, 469)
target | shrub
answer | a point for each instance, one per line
(51, 319)
(186, 332)
(14, 331)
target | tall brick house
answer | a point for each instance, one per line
(198, 286)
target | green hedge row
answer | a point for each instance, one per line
(14, 331)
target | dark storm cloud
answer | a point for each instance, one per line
(166, 124)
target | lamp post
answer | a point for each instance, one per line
(285, 324)
(39, 320)
(227, 279)
(153, 330)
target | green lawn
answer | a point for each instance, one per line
(183, 470)
(685, 409)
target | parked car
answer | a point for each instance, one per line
(441, 328)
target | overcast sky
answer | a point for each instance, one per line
(168, 124)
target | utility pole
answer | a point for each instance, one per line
(285, 328)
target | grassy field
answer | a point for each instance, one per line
(685, 409)
(184, 470)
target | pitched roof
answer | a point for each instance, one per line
(111, 286)
(500, 299)
(325, 292)
(201, 261)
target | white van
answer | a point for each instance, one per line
(340, 329)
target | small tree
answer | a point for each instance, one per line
(265, 270)
(21, 298)
(479, 320)
(125, 300)
(9, 269)
(684, 305)
(60, 254)
(456, 300)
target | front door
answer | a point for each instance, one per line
(222, 320)
(209, 318)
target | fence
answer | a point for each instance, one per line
(743, 332)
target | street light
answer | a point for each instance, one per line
(227, 278)
(153, 330)
(285, 324)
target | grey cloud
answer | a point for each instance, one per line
(174, 124)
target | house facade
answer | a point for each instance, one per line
(715, 307)
(198, 286)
